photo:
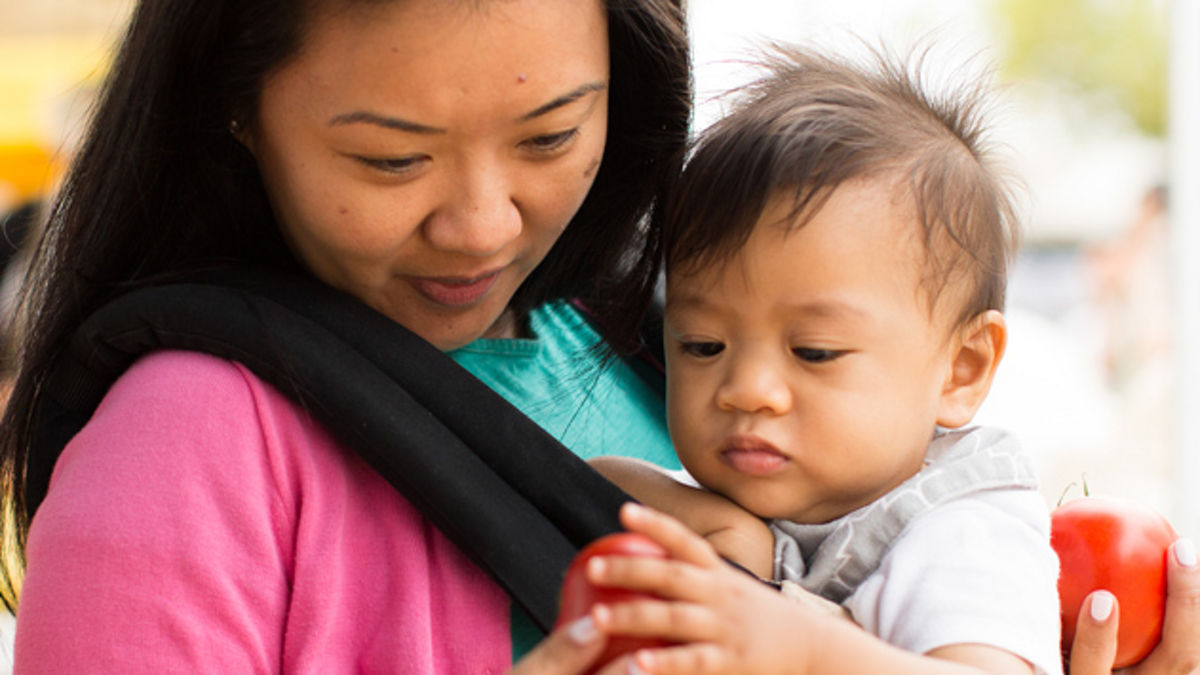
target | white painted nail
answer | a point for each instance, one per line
(1185, 552)
(581, 631)
(1102, 606)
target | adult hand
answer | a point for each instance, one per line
(569, 650)
(1095, 643)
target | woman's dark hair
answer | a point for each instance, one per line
(161, 188)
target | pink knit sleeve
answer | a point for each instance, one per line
(159, 546)
(201, 522)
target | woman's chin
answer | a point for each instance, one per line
(448, 334)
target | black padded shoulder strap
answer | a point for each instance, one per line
(503, 490)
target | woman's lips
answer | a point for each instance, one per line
(455, 291)
(753, 456)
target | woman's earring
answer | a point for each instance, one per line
(239, 134)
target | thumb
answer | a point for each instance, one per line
(1179, 651)
(569, 650)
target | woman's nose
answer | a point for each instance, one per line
(755, 385)
(479, 216)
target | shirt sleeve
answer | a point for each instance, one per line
(159, 546)
(978, 570)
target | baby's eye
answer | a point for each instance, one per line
(547, 143)
(395, 165)
(702, 350)
(813, 355)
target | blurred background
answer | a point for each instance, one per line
(1097, 114)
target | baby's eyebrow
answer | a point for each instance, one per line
(681, 301)
(832, 309)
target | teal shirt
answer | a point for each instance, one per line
(561, 381)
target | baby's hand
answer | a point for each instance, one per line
(724, 620)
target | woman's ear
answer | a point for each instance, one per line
(977, 350)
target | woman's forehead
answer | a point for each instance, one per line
(424, 24)
(429, 56)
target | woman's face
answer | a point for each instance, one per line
(425, 155)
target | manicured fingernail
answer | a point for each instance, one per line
(582, 630)
(1185, 552)
(1102, 606)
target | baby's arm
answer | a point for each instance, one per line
(735, 533)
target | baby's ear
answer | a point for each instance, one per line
(977, 350)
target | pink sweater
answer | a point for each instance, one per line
(202, 523)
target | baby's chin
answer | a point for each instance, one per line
(815, 512)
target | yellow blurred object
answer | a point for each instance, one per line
(27, 169)
(46, 85)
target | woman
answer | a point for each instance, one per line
(460, 167)
(424, 157)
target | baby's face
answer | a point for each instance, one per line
(804, 378)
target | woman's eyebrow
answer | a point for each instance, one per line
(399, 124)
(566, 99)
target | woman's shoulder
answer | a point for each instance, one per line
(168, 369)
(177, 417)
(170, 411)
(189, 386)
(175, 373)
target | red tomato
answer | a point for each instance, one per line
(1119, 545)
(578, 594)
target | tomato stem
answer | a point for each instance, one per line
(1086, 492)
(1063, 496)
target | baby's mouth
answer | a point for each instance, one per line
(752, 455)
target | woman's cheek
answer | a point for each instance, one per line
(371, 225)
(560, 201)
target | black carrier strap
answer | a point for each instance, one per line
(504, 491)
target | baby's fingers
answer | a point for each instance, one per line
(692, 626)
(680, 542)
(669, 579)
(669, 621)
(697, 659)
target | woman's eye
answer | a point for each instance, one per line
(395, 165)
(812, 355)
(550, 142)
(702, 349)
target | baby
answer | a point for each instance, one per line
(836, 263)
